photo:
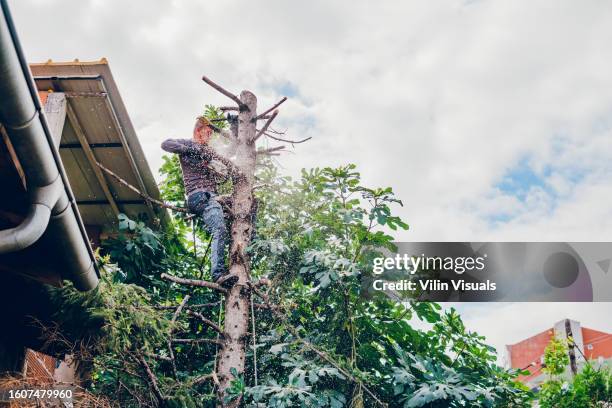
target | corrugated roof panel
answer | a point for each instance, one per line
(99, 110)
(81, 176)
(113, 158)
(97, 214)
(95, 120)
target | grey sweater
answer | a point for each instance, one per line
(197, 175)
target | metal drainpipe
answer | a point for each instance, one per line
(42, 201)
(50, 205)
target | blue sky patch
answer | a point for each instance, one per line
(521, 178)
(287, 89)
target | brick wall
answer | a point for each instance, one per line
(529, 351)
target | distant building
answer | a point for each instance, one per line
(592, 345)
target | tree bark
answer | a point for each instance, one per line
(233, 349)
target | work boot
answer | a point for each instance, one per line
(226, 281)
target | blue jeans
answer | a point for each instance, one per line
(204, 205)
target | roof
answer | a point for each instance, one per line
(528, 353)
(596, 344)
(98, 128)
(43, 235)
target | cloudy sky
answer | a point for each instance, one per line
(492, 120)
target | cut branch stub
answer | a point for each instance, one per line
(225, 92)
(271, 150)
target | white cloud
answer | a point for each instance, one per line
(436, 99)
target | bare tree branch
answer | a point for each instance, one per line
(196, 306)
(286, 140)
(265, 127)
(175, 315)
(153, 380)
(228, 108)
(196, 341)
(203, 378)
(158, 357)
(179, 309)
(140, 193)
(277, 132)
(271, 150)
(204, 320)
(276, 105)
(225, 92)
(194, 282)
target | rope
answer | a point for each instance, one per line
(218, 334)
(195, 248)
(254, 340)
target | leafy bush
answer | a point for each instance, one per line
(589, 388)
(331, 347)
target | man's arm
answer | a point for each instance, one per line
(179, 146)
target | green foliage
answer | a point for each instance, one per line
(171, 186)
(589, 388)
(134, 248)
(108, 329)
(556, 358)
(315, 240)
(237, 386)
(215, 115)
(303, 378)
(424, 382)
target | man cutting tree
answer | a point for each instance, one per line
(201, 178)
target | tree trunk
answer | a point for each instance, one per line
(232, 353)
